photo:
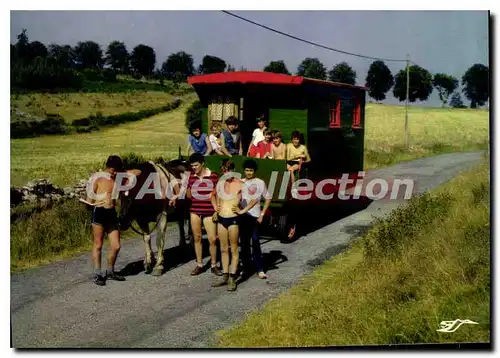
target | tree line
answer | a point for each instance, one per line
(35, 66)
(379, 80)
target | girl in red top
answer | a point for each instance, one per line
(265, 146)
(201, 192)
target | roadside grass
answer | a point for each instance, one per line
(56, 233)
(46, 236)
(432, 131)
(67, 159)
(425, 263)
(81, 105)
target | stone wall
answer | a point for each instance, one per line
(42, 192)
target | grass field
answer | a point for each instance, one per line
(432, 131)
(80, 105)
(79, 154)
(426, 263)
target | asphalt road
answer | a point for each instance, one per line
(58, 306)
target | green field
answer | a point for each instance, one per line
(432, 130)
(80, 154)
(80, 105)
(426, 263)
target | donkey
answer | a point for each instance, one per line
(154, 209)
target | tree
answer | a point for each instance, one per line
(42, 74)
(178, 66)
(379, 80)
(456, 101)
(420, 84)
(88, 54)
(277, 67)
(211, 64)
(445, 86)
(22, 47)
(342, 73)
(37, 49)
(117, 56)
(12, 54)
(193, 114)
(143, 60)
(312, 68)
(62, 55)
(475, 82)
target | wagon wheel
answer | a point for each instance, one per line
(284, 227)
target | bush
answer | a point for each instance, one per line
(193, 114)
(53, 124)
(44, 74)
(136, 76)
(100, 120)
(106, 75)
(132, 160)
(390, 234)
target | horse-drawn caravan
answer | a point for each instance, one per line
(329, 115)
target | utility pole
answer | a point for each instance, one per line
(407, 98)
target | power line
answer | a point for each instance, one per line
(310, 42)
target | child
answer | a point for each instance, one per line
(215, 139)
(257, 136)
(202, 208)
(278, 149)
(251, 217)
(264, 147)
(228, 199)
(198, 142)
(105, 220)
(231, 138)
(296, 154)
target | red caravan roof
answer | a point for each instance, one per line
(270, 78)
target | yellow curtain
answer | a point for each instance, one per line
(219, 109)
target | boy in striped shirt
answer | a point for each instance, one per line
(201, 190)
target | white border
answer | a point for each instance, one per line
(192, 5)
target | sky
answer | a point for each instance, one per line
(440, 41)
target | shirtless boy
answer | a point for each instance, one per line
(228, 201)
(278, 150)
(105, 220)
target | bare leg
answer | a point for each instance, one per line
(233, 239)
(114, 248)
(292, 169)
(224, 243)
(211, 229)
(198, 248)
(98, 232)
(160, 244)
(224, 248)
